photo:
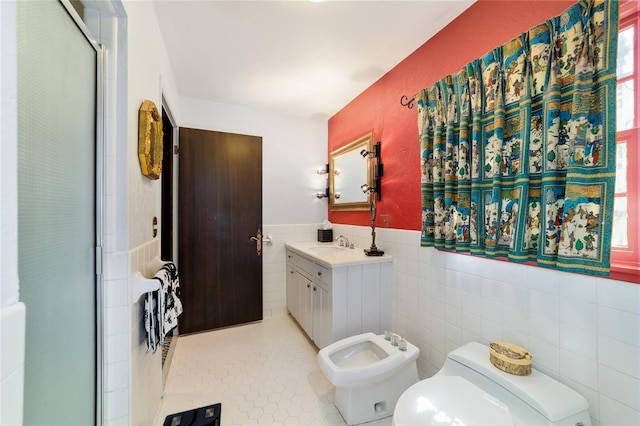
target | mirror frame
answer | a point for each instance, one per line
(364, 142)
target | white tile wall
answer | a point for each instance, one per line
(146, 367)
(118, 313)
(582, 330)
(274, 263)
(132, 375)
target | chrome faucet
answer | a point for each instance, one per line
(344, 242)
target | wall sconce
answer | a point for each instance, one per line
(324, 194)
(378, 167)
(367, 189)
(373, 250)
(323, 171)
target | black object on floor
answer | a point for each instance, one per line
(203, 416)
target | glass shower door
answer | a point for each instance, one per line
(57, 214)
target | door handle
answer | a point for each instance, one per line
(258, 240)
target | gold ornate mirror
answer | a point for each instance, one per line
(348, 170)
(150, 140)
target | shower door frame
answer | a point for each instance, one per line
(99, 170)
(99, 198)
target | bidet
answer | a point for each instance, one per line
(369, 374)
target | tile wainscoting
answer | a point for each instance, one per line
(133, 376)
(581, 330)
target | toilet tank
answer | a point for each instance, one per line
(528, 397)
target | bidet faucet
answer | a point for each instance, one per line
(344, 242)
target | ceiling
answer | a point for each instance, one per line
(293, 57)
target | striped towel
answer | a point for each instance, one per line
(163, 307)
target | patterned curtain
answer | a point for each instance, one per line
(518, 147)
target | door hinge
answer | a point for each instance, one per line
(176, 150)
(99, 259)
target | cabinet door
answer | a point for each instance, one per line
(305, 303)
(322, 317)
(292, 295)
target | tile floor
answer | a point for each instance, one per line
(263, 373)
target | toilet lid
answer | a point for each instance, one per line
(449, 400)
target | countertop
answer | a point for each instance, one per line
(332, 255)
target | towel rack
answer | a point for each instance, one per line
(140, 284)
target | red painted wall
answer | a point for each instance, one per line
(482, 27)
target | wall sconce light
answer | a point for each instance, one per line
(378, 167)
(366, 188)
(323, 171)
(375, 154)
(367, 154)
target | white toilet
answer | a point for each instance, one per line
(469, 390)
(369, 375)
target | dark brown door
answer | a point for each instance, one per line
(220, 209)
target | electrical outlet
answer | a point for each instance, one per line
(384, 219)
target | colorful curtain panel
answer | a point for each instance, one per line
(518, 148)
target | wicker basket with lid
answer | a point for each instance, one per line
(510, 358)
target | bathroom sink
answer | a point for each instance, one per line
(328, 249)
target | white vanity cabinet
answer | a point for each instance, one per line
(336, 295)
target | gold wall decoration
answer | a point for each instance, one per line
(150, 140)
